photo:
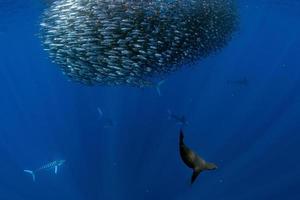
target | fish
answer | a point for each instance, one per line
(130, 43)
(108, 123)
(179, 119)
(105, 121)
(193, 160)
(52, 165)
(242, 82)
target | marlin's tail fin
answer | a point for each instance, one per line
(157, 86)
(100, 112)
(32, 174)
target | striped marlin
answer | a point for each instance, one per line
(52, 165)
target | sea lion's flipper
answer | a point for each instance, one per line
(194, 176)
(210, 166)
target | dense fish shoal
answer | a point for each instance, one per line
(119, 42)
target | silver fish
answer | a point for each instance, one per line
(131, 42)
(52, 165)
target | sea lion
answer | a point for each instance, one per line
(192, 160)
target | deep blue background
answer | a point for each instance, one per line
(251, 132)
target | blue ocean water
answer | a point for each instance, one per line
(251, 131)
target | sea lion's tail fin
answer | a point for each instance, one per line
(195, 175)
(210, 166)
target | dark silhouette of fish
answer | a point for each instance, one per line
(193, 160)
(242, 82)
(108, 123)
(180, 119)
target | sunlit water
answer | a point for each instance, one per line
(251, 131)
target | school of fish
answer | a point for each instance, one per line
(134, 42)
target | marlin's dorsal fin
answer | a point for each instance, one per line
(55, 169)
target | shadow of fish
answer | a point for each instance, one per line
(241, 82)
(180, 119)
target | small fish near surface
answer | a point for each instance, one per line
(52, 165)
(193, 160)
(133, 43)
